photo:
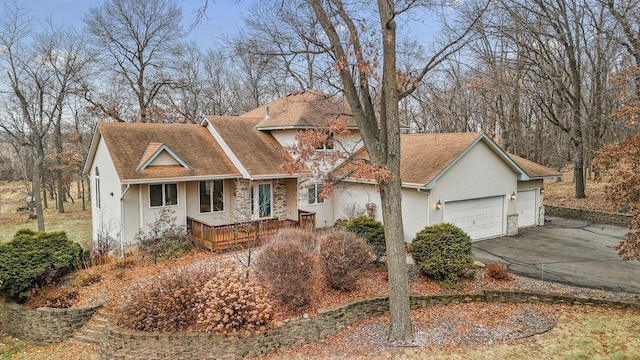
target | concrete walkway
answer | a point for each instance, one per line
(567, 251)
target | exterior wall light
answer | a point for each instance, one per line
(513, 196)
(541, 191)
(438, 205)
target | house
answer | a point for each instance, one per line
(464, 179)
(224, 179)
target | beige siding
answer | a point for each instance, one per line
(415, 212)
(130, 208)
(107, 219)
(292, 197)
(216, 217)
(149, 214)
(415, 205)
(164, 158)
(348, 144)
(480, 173)
(348, 196)
(324, 211)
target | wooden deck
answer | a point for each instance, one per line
(223, 237)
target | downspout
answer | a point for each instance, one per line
(122, 218)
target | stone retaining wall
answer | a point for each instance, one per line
(119, 343)
(44, 326)
(599, 217)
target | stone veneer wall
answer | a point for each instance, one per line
(599, 217)
(243, 199)
(279, 199)
(118, 343)
(512, 224)
(44, 326)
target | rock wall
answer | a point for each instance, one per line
(44, 326)
(119, 343)
(599, 217)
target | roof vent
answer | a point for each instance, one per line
(266, 115)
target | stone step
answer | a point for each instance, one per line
(82, 340)
(92, 331)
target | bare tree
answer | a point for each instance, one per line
(365, 62)
(39, 69)
(138, 40)
(64, 52)
(627, 15)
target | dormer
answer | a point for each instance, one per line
(159, 154)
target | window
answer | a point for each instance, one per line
(261, 200)
(327, 143)
(313, 195)
(211, 196)
(163, 195)
(97, 186)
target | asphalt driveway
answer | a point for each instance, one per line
(572, 252)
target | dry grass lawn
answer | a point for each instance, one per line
(74, 221)
(562, 193)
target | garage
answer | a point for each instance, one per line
(480, 218)
(526, 208)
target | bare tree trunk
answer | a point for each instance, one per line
(58, 173)
(36, 181)
(400, 329)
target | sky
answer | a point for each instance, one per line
(223, 16)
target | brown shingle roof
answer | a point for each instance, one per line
(425, 156)
(258, 152)
(534, 170)
(129, 143)
(305, 109)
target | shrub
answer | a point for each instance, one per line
(125, 263)
(345, 258)
(35, 258)
(51, 296)
(165, 238)
(88, 276)
(308, 239)
(497, 270)
(443, 252)
(285, 268)
(230, 302)
(371, 230)
(167, 302)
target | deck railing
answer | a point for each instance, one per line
(223, 237)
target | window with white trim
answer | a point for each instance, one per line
(96, 179)
(328, 142)
(313, 195)
(211, 196)
(163, 195)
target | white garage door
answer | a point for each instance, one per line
(526, 207)
(480, 218)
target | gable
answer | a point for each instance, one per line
(479, 171)
(159, 154)
(425, 158)
(145, 152)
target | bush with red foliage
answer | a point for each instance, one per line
(285, 268)
(230, 302)
(497, 270)
(345, 259)
(167, 302)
